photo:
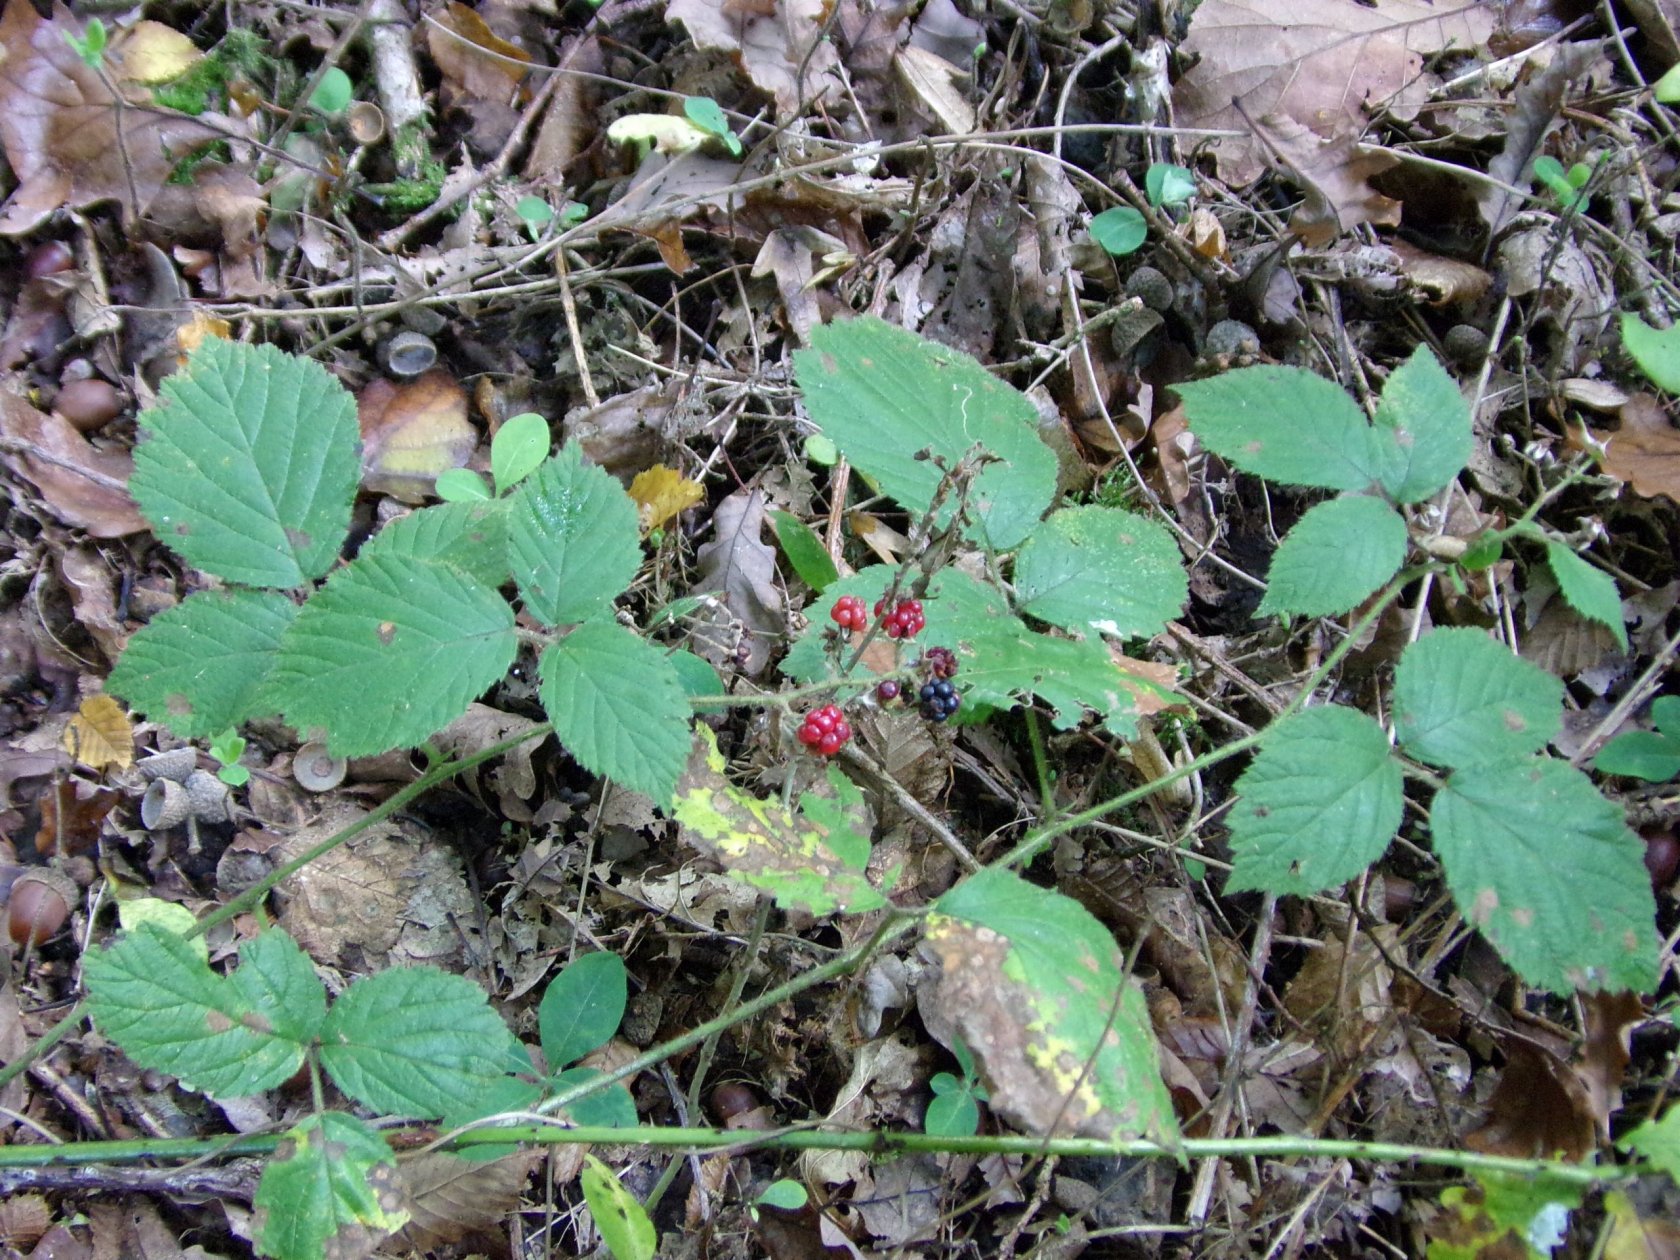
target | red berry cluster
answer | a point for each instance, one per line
(905, 621)
(825, 730)
(848, 613)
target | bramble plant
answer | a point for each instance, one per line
(248, 469)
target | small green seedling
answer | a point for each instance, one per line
(1667, 89)
(535, 213)
(1567, 187)
(90, 45)
(785, 1195)
(517, 451)
(1120, 230)
(333, 93)
(955, 1109)
(1655, 350)
(1650, 755)
(227, 748)
(1167, 184)
(708, 115)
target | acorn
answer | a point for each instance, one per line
(89, 404)
(39, 905)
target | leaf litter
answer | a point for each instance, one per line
(1365, 182)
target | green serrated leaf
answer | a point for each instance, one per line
(1339, 554)
(1640, 755)
(518, 449)
(588, 680)
(1658, 1142)
(623, 1222)
(200, 667)
(331, 1190)
(413, 1041)
(1463, 699)
(471, 537)
(764, 844)
(1423, 429)
(884, 395)
(573, 540)
(1587, 589)
(582, 1007)
(1512, 1218)
(1037, 988)
(611, 1108)
(1547, 870)
(390, 651)
(1120, 230)
(461, 485)
(508, 1093)
(1098, 568)
(1285, 424)
(804, 550)
(1656, 351)
(153, 994)
(249, 465)
(844, 819)
(1318, 805)
(696, 677)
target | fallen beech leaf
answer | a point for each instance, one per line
(190, 335)
(1334, 174)
(1645, 451)
(1442, 281)
(413, 432)
(150, 52)
(71, 813)
(83, 486)
(783, 47)
(99, 735)
(475, 61)
(1608, 1021)
(1323, 63)
(1539, 1109)
(660, 493)
(449, 1197)
(934, 82)
(68, 138)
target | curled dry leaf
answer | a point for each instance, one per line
(83, 485)
(72, 811)
(661, 493)
(1645, 451)
(782, 47)
(476, 62)
(1323, 63)
(738, 563)
(68, 138)
(1334, 174)
(413, 432)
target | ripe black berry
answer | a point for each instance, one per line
(939, 700)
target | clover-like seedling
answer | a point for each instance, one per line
(1650, 755)
(955, 1109)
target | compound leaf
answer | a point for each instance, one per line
(800, 860)
(884, 395)
(1546, 869)
(249, 466)
(1285, 424)
(154, 995)
(331, 1190)
(1101, 568)
(414, 1041)
(389, 652)
(1463, 699)
(1337, 555)
(573, 541)
(618, 706)
(1423, 429)
(1587, 589)
(582, 1007)
(1318, 805)
(199, 667)
(1036, 987)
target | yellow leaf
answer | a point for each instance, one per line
(99, 735)
(661, 492)
(191, 335)
(155, 53)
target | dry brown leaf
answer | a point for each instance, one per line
(1442, 281)
(99, 735)
(72, 812)
(1334, 174)
(413, 432)
(69, 140)
(782, 47)
(1534, 114)
(91, 584)
(661, 493)
(83, 485)
(933, 81)
(738, 564)
(476, 62)
(1608, 1021)
(1539, 1109)
(1324, 63)
(1645, 451)
(449, 1197)
(25, 1217)
(1146, 680)
(569, 124)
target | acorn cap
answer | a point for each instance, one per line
(165, 805)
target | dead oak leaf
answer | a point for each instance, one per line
(1645, 451)
(69, 138)
(1324, 63)
(1334, 175)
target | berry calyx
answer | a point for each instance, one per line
(939, 700)
(940, 662)
(824, 731)
(848, 613)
